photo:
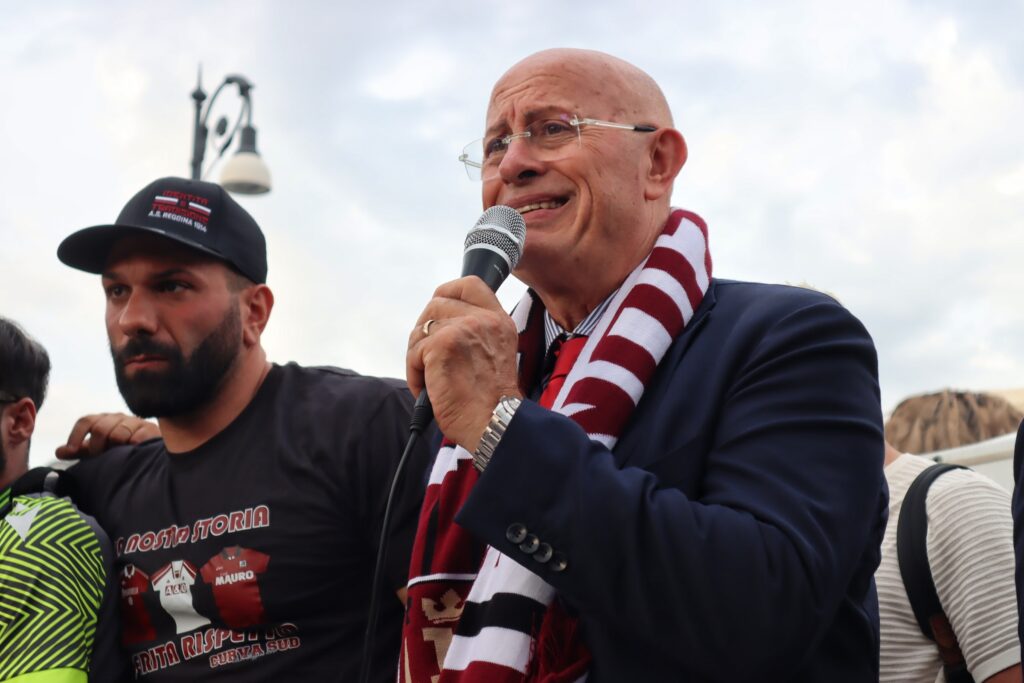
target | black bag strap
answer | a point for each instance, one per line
(916, 571)
(36, 480)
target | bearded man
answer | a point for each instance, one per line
(649, 474)
(246, 536)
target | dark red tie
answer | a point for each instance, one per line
(561, 656)
(565, 354)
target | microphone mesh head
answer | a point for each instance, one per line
(501, 227)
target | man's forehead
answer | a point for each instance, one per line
(570, 81)
(539, 95)
(159, 252)
(584, 82)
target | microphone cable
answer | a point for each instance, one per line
(422, 415)
(492, 249)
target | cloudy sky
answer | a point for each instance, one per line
(871, 149)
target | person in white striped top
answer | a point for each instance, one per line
(970, 551)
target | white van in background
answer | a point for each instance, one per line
(993, 458)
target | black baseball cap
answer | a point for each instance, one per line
(197, 214)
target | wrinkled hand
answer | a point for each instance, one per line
(94, 434)
(467, 361)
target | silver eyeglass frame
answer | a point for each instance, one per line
(474, 169)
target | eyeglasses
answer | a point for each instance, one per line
(548, 139)
(8, 398)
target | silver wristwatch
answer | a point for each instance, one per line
(500, 419)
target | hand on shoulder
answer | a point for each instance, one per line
(96, 433)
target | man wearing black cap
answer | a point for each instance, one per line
(246, 536)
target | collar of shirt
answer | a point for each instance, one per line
(553, 330)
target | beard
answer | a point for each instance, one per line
(186, 384)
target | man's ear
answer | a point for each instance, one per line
(255, 303)
(20, 421)
(667, 156)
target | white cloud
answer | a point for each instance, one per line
(1011, 183)
(871, 150)
(412, 74)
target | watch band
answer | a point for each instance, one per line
(500, 419)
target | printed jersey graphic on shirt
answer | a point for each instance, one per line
(136, 626)
(232, 575)
(51, 584)
(173, 583)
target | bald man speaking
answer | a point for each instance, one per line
(649, 474)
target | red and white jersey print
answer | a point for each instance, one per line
(136, 626)
(231, 574)
(173, 583)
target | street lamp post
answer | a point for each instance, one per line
(245, 172)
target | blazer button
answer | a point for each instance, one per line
(530, 545)
(543, 553)
(516, 533)
(558, 562)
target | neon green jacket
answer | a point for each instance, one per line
(55, 569)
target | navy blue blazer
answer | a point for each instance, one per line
(1018, 526)
(734, 532)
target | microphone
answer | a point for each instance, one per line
(492, 249)
(494, 245)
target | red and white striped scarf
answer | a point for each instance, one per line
(474, 615)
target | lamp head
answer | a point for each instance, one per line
(245, 172)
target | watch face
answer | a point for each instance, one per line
(509, 403)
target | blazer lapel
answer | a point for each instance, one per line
(624, 453)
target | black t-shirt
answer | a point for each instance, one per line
(250, 558)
